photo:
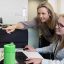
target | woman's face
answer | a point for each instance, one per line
(42, 14)
(60, 26)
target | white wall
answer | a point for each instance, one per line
(61, 6)
(54, 4)
(33, 37)
(13, 11)
(32, 8)
(58, 6)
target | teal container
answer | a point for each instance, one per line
(9, 54)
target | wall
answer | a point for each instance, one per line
(54, 4)
(33, 37)
(61, 9)
(58, 6)
(32, 8)
(13, 11)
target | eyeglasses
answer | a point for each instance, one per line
(60, 25)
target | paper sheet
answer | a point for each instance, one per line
(32, 54)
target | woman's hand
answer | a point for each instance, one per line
(33, 60)
(29, 48)
(10, 29)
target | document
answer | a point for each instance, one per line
(32, 54)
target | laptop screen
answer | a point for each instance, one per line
(18, 37)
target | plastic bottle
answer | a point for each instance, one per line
(9, 54)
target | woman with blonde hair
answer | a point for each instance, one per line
(57, 47)
(44, 21)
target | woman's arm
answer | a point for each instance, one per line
(47, 49)
(20, 25)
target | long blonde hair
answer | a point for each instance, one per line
(61, 37)
(62, 40)
(53, 16)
